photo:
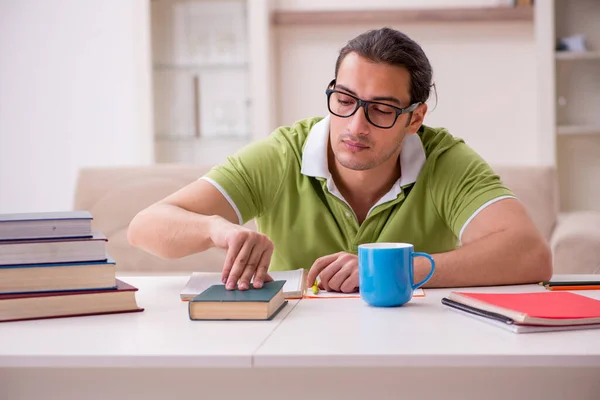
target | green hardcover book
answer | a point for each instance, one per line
(218, 303)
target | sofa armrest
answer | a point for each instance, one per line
(575, 243)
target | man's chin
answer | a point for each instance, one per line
(354, 164)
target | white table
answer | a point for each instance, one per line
(160, 336)
(423, 333)
(428, 351)
(331, 348)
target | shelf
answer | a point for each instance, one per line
(329, 17)
(223, 140)
(571, 55)
(192, 150)
(195, 67)
(176, 139)
(579, 129)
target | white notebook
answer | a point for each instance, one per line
(200, 281)
(323, 294)
(294, 288)
(515, 328)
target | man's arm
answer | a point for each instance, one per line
(209, 213)
(500, 246)
(181, 224)
(196, 218)
(229, 194)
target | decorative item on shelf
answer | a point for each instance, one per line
(210, 32)
(523, 3)
(573, 43)
(562, 101)
(196, 106)
(174, 103)
(223, 104)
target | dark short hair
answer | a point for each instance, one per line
(392, 47)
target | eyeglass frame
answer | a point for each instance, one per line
(365, 103)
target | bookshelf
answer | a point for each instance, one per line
(205, 77)
(396, 15)
(195, 118)
(191, 125)
(578, 129)
(569, 112)
(574, 56)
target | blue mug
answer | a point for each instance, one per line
(386, 271)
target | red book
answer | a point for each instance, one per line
(539, 308)
(25, 306)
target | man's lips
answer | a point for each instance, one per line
(355, 144)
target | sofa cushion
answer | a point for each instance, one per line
(115, 195)
(536, 187)
(575, 243)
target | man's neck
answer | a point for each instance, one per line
(362, 189)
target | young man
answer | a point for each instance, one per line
(370, 171)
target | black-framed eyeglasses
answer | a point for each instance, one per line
(381, 115)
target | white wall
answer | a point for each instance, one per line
(74, 92)
(485, 75)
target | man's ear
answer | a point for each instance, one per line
(416, 119)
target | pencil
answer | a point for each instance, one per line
(570, 283)
(574, 287)
(315, 287)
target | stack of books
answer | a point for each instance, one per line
(53, 265)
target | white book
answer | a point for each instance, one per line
(200, 281)
(45, 225)
(49, 251)
(295, 286)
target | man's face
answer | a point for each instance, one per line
(356, 143)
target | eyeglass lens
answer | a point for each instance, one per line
(379, 114)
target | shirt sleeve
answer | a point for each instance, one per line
(251, 178)
(462, 184)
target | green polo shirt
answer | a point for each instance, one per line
(283, 183)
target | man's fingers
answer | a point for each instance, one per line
(329, 272)
(350, 285)
(319, 265)
(232, 253)
(263, 266)
(239, 265)
(249, 270)
(259, 275)
(252, 263)
(342, 272)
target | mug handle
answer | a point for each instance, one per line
(418, 254)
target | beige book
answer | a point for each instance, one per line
(295, 283)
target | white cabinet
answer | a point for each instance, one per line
(570, 67)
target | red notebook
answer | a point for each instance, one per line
(539, 308)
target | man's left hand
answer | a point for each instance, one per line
(338, 272)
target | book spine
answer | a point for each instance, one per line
(477, 311)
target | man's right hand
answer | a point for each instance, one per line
(248, 254)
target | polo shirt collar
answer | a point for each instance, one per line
(314, 157)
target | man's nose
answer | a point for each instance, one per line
(358, 123)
